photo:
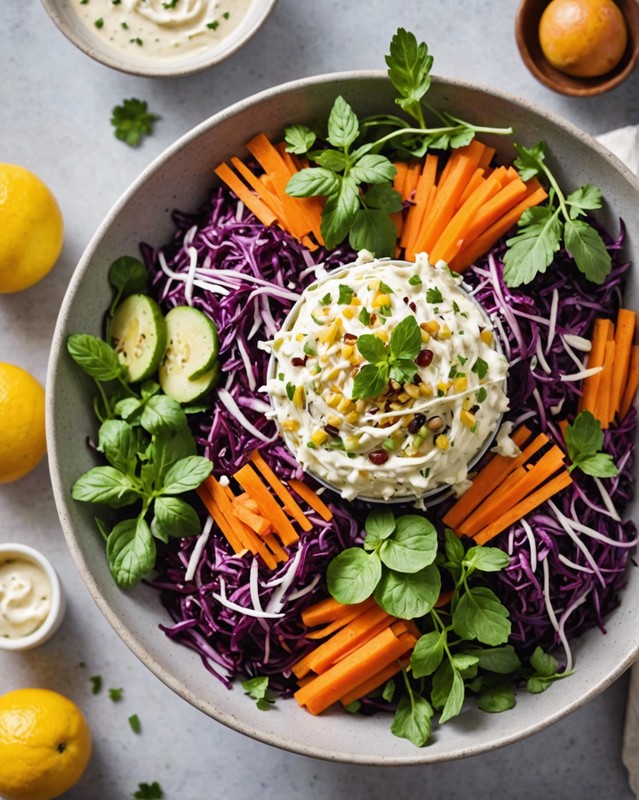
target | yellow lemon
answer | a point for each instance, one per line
(584, 38)
(45, 744)
(22, 434)
(31, 229)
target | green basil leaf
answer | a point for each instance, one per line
(464, 661)
(412, 719)
(454, 548)
(587, 247)
(372, 348)
(379, 525)
(128, 407)
(370, 381)
(408, 596)
(128, 275)
(343, 125)
(299, 139)
(373, 230)
(427, 654)
(339, 212)
(186, 474)
(586, 198)
(412, 546)
(313, 182)
(169, 447)
(333, 160)
(486, 559)
(543, 663)
(406, 339)
(496, 699)
(373, 168)
(120, 444)
(382, 197)
(502, 660)
(353, 575)
(174, 518)
(455, 699)
(149, 388)
(163, 413)
(480, 615)
(94, 356)
(584, 436)
(130, 552)
(442, 684)
(105, 485)
(403, 370)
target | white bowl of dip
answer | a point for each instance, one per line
(159, 38)
(32, 603)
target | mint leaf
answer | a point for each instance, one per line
(313, 181)
(486, 559)
(502, 660)
(120, 444)
(105, 485)
(455, 699)
(334, 160)
(584, 440)
(496, 699)
(403, 370)
(543, 663)
(174, 518)
(454, 548)
(412, 719)
(373, 230)
(339, 212)
(373, 168)
(130, 552)
(93, 355)
(128, 275)
(599, 465)
(343, 125)
(370, 381)
(382, 197)
(352, 575)
(186, 474)
(587, 247)
(162, 413)
(299, 139)
(405, 340)
(372, 348)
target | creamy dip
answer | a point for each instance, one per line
(161, 29)
(25, 597)
(415, 435)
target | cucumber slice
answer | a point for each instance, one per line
(192, 341)
(177, 385)
(138, 334)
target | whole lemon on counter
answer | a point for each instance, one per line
(22, 433)
(45, 744)
(583, 38)
(31, 229)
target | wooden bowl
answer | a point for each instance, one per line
(527, 36)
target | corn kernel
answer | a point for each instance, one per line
(382, 335)
(461, 384)
(432, 326)
(300, 337)
(333, 373)
(360, 405)
(348, 312)
(443, 386)
(407, 419)
(425, 336)
(319, 437)
(345, 405)
(373, 286)
(347, 350)
(277, 344)
(352, 418)
(411, 390)
(328, 335)
(403, 397)
(445, 332)
(442, 441)
(486, 337)
(336, 389)
(380, 300)
(356, 359)
(333, 400)
(290, 425)
(467, 419)
(396, 406)
(334, 420)
(299, 397)
(425, 390)
(356, 301)
(351, 443)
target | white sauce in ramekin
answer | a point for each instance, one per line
(460, 395)
(161, 29)
(25, 597)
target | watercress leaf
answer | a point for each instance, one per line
(442, 684)
(532, 249)
(93, 355)
(537, 685)
(343, 125)
(128, 407)
(455, 699)
(403, 370)
(312, 182)
(412, 719)
(495, 699)
(339, 212)
(502, 660)
(412, 546)
(373, 168)
(174, 517)
(389, 690)
(586, 198)
(543, 663)
(299, 138)
(427, 654)
(370, 381)
(408, 595)
(405, 340)
(149, 388)
(186, 474)
(453, 547)
(480, 615)
(163, 413)
(599, 465)
(353, 575)
(486, 559)
(169, 447)
(373, 230)
(409, 66)
(529, 159)
(105, 485)
(372, 348)
(587, 247)
(130, 552)
(128, 275)
(383, 197)
(120, 444)
(464, 661)
(334, 160)
(379, 525)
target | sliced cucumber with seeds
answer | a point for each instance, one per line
(189, 369)
(138, 334)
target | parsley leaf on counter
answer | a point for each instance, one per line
(584, 440)
(132, 121)
(149, 791)
(96, 684)
(543, 229)
(134, 722)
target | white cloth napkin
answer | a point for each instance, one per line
(624, 143)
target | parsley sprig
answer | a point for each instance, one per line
(543, 229)
(395, 361)
(133, 121)
(353, 173)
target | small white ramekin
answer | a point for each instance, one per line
(58, 600)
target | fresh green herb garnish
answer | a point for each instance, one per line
(149, 791)
(584, 442)
(168, 4)
(434, 295)
(326, 300)
(480, 368)
(543, 229)
(115, 695)
(99, 23)
(545, 672)
(96, 684)
(257, 688)
(132, 120)
(134, 722)
(137, 41)
(415, 280)
(213, 25)
(364, 317)
(345, 294)
(394, 361)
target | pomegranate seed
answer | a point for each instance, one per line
(378, 457)
(298, 362)
(424, 357)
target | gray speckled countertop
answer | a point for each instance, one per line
(54, 119)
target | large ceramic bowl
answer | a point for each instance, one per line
(181, 178)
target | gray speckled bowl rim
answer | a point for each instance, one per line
(420, 756)
(110, 58)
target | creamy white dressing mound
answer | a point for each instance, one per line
(25, 597)
(415, 436)
(161, 29)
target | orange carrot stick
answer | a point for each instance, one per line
(524, 507)
(401, 168)
(603, 401)
(329, 609)
(413, 172)
(624, 334)
(250, 481)
(281, 491)
(251, 201)
(349, 616)
(256, 522)
(220, 520)
(416, 213)
(601, 334)
(310, 497)
(631, 384)
(506, 198)
(372, 683)
(477, 178)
